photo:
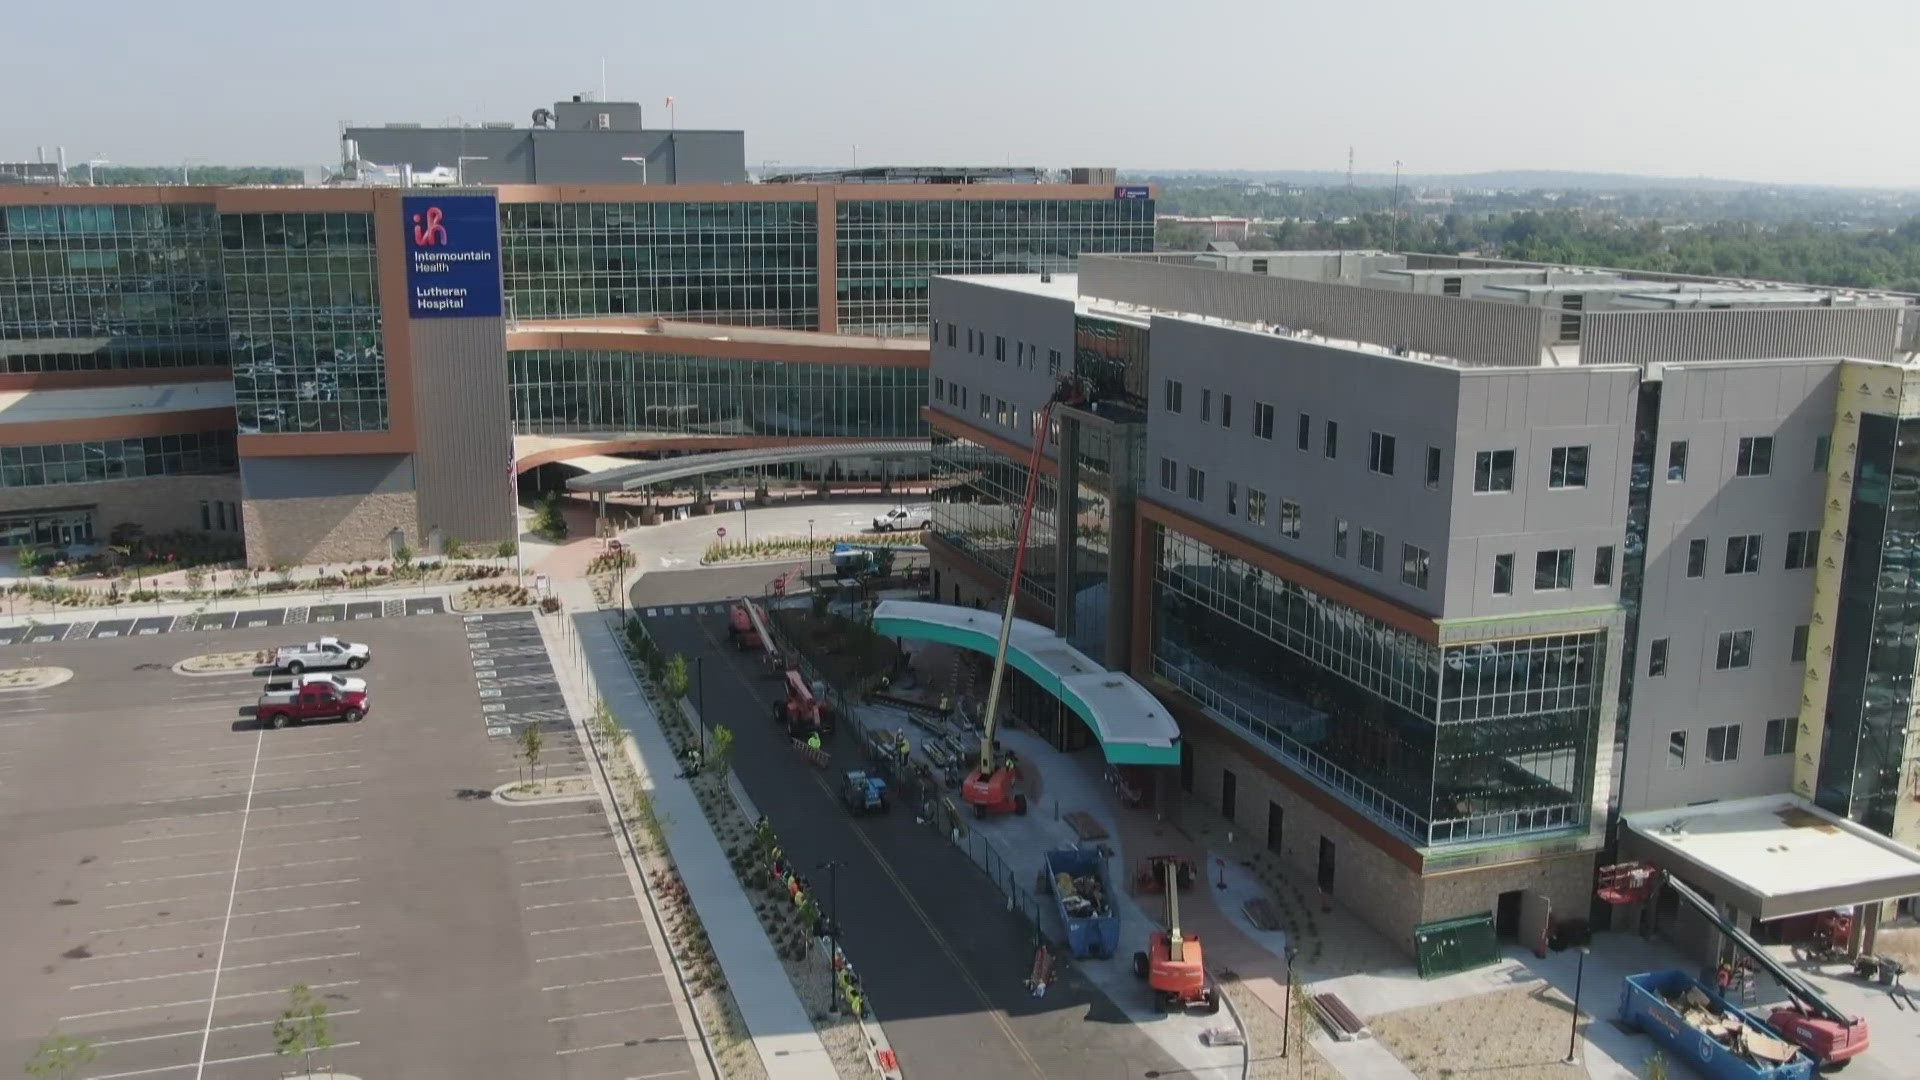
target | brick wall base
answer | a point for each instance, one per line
(1380, 889)
(333, 528)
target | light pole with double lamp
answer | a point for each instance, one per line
(700, 701)
(1573, 1035)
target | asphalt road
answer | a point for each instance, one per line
(942, 958)
(171, 870)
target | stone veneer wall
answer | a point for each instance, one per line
(328, 528)
(157, 503)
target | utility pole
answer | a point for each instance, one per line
(700, 700)
(832, 867)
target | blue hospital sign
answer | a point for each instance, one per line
(453, 256)
(1133, 191)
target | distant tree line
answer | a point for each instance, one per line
(1876, 258)
(198, 174)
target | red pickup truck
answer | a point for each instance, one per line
(311, 701)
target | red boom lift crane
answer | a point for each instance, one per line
(1831, 1037)
(989, 787)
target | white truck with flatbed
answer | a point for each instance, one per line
(328, 652)
(904, 519)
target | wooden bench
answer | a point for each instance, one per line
(1341, 1022)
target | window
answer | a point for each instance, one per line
(1603, 565)
(1677, 750)
(1433, 467)
(1570, 306)
(1553, 569)
(1743, 554)
(1226, 410)
(950, 334)
(1256, 506)
(970, 339)
(1260, 267)
(1290, 519)
(1380, 453)
(1206, 405)
(1262, 420)
(1304, 437)
(1340, 537)
(1735, 650)
(1781, 735)
(1174, 392)
(1676, 461)
(986, 404)
(1053, 361)
(1373, 551)
(1493, 471)
(1822, 449)
(1723, 743)
(1169, 474)
(1798, 654)
(939, 389)
(1233, 499)
(1450, 286)
(1696, 558)
(1000, 347)
(1414, 564)
(1332, 449)
(220, 514)
(1568, 468)
(1756, 456)
(1802, 549)
(206, 515)
(1657, 658)
(1503, 574)
(1196, 484)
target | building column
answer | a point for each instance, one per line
(1065, 522)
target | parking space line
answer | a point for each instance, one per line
(564, 858)
(190, 798)
(589, 1049)
(256, 828)
(281, 992)
(563, 836)
(214, 873)
(331, 1013)
(210, 971)
(238, 892)
(223, 813)
(307, 787)
(589, 926)
(216, 918)
(201, 1066)
(564, 880)
(555, 817)
(597, 952)
(601, 982)
(295, 933)
(661, 1076)
(573, 903)
(144, 952)
(607, 1012)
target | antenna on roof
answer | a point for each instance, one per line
(1349, 170)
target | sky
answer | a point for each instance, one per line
(1769, 90)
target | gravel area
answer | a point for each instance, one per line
(33, 678)
(1262, 1027)
(1518, 1034)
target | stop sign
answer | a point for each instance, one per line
(721, 531)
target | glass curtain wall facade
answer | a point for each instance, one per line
(976, 507)
(576, 390)
(888, 248)
(303, 313)
(96, 288)
(742, 263)
(1111, 357)
(1870, 691)
(1444, 745)
(201, 453)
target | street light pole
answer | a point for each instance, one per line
(700, 700)
(832, 868)
(809, 552)
(1573, 1035)
(1286, 1007)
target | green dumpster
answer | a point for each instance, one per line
(1442, 948)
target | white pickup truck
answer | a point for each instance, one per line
(328, 652)
(344, 684)
(904, 518)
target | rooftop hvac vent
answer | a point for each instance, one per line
(498, 125)
(402, 125)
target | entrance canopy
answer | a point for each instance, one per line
(628, 475)
(1773, 856)
(1131, 724)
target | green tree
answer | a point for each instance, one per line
(60, 1057)
(531, 742)
(674, 680)
(721, 746)
(550, 521)
(1656, 1066)
(303, 1029)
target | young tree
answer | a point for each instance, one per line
(530, 743)
(60, 1057)
(1656, 1066)
(674, 680)
(720, 756)
(303, 1029)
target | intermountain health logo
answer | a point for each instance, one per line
(428, 228)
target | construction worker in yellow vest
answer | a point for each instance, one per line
(813, 740)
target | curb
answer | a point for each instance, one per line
(250, 669)
(500, 795)
(54, 677)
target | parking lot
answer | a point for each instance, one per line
(173, 869)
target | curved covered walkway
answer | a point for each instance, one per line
(637, 474)
(1133, 727)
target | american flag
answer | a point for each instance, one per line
(669, 103)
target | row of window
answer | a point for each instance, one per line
(1025, 353)
(1553, 570)
(1743, 553)
(1732, 650)
(1566, 468)
(118, 459)
(219, 515)
(1723, 742)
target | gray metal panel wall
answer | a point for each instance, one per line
(464, 436)
(1642, 337)
(1472, 332)
(326, 477)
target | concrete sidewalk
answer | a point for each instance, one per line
(782, 1032)
(302, 599)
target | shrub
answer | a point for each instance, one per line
(508, 549)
